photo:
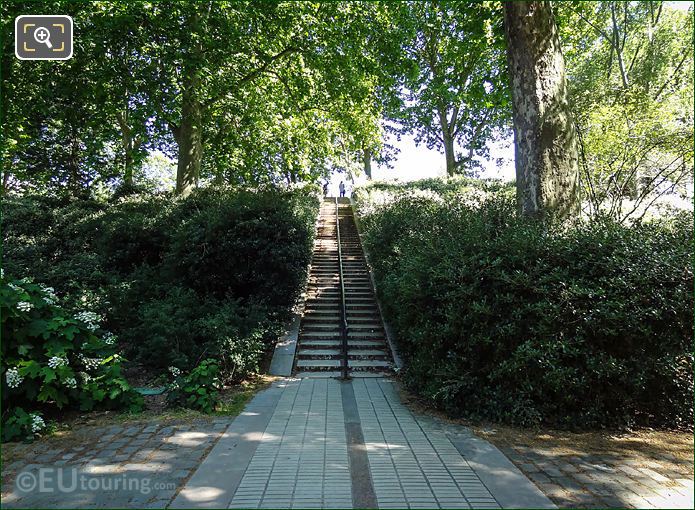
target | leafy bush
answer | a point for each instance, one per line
(513, 320)
(51, 360)
(197, 390)
(213, 275)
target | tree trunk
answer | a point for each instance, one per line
(367, 160)
(128, 148)
(190, 140)
(545, 140)
(448, 142)
(189, 133)
(449, 154)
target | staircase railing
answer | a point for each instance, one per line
(343, 311)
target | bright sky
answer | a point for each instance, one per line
(418, 162)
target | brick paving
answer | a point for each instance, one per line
(135, 465)
(303, 456)
(302, 459)
(610, 480)
(413, 463)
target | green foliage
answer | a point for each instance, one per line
(452, 78)
(212, 275)
(197, 390)
(519, 321)
(630, 66)
(52, 360)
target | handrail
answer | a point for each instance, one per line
(343, 312)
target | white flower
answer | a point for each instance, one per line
(13, 378)
(175, 371)
(85, 377)
(91, 319)
(57, 361)
(71, 382)
(24, 306)
(109, 338)
(50, 295)
(91, 363)
(37, 423)
(14, 287)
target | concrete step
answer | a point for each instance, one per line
(321, 343)
(360, 353)
(318, 364)
(368, 363)
(319, 335)
(319, 352)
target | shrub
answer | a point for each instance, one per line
(513, 320)
(51, 360)
(179, 280)
(197, 390)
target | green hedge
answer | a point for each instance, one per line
(214, 275)
(506, 319)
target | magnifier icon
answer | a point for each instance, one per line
(43, 36)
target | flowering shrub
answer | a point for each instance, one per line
(197, 390)
(51, 361)
(215, 274)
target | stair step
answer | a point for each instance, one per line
(320, 343)
(321, 335)
(318, 363)
(319, 352)
(368, 363)
(320, 327)
(366, 352)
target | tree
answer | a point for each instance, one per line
(632, 98)
(545, 139)
(456, 93)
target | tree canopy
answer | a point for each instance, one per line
(275, 92)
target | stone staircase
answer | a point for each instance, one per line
(319, 350)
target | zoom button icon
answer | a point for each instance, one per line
(43, 37)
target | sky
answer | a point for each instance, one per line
(418, 162)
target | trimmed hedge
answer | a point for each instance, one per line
(507, 319)
(214, 275)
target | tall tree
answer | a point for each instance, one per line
(456, 96)
(545, 138)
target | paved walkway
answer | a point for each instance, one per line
(119, 466)
(607, 480)
(322, 443)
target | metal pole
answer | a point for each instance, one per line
(343, 312)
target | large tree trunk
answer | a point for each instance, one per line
(128, 149)
(545, 140)
(449, 154)
(189, 133)
(190, 141)
(367, 161)
(448, 142)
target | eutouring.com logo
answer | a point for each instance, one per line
(69, 480)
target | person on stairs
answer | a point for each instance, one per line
(341, 187)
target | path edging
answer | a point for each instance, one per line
(510, 487)
(218, 476)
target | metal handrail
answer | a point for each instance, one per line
(343, 311)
